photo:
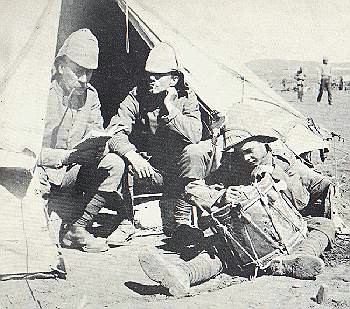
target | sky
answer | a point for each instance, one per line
(299, 30)
(257, 29)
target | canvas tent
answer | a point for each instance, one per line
(28, 38)
(208, 51)
(212, 60)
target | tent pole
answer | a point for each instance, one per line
(127, 42)
(243, 84)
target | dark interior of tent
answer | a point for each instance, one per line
(118, 71)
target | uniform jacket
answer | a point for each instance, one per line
(326, 71)
(66, 124)
(300, 78)
(145, 125)
(286, 168)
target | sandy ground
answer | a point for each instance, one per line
(115, 280)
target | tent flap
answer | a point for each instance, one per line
(27, 244)
(214, 70)
(25, 78)
(29, 33)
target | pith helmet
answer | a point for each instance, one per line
(235, 137)
(162, 59)
(82, 48)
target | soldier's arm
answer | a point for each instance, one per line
(53, 157)
(288, 169)
(121, 125)
(95, 120)
(202, 195)
(186, 122)
(50, 156)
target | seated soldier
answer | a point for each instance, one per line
(161, 119)
(69, 171)
(225, 189)
(310, 189)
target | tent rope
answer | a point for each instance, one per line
(243, 89)
(127, 41)
(37, 302)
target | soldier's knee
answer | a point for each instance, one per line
(326, 182)
(195, 152)
(190, 151)
(112, 162)
(324, 225)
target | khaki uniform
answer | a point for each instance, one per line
(67, 123)
(307, 189)
(209, 193)
(170, 140)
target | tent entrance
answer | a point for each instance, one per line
(118, 71)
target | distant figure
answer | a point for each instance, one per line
(325, 82)
(284, 83)
(341, 83)
(300, 78)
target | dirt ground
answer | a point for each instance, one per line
(115, 280)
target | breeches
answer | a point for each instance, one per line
(104, 176)
(176, 171)
(323, 225)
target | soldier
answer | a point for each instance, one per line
(222, 189)
(325, 81)
(300, 78)
(69, 172)
(161, 118)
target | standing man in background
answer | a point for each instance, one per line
(300, 78)
(325, 82)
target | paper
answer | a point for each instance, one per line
(94, 139)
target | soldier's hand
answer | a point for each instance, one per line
(82, 157)
(171, 94)
(259, 172)
(233, 195)
(141, 167)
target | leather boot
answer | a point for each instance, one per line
(304, 261)
(298, 266)
(167, 206)
(182, 212)
(168, 275)
(122, 234)
(186, 235)
(77, 237)
(178, 278)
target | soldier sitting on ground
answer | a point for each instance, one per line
(230, 188)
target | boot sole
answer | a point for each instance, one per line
(69, 244)
(300, 267)
(112, 243)
(158, 270)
